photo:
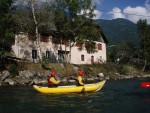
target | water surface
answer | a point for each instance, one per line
(123, 96)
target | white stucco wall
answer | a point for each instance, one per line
(99, 56)
(23, 45)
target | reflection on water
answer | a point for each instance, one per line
(124, 96)
(68, 102)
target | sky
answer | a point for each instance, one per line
(132, 10)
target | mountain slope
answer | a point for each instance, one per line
(119, 30)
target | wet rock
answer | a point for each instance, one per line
(5, 74)
(71, 81)
(146, 76)
(64, 80)
(100, 75)
(128, 77)
(36, 80)
(26, 81)
(26, 74)
(43, 77)
(20, 80)
(31, 83)
(10, 81)
(44, 81)
(39, 75)
(96, 78)
(90, 79)
(22, 73)
(73, 77)
(75, 68)
(39, 81)
(62, 65)
(30, 74)
(5, 84)
(34, 73)
(107, 77)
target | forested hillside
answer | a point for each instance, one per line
(119, 30)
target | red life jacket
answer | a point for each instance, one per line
(49, 82)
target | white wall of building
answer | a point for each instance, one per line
(23, 49)
(99, 56)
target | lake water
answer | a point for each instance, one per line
(121, 96)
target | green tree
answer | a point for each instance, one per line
(6, 25)
(25, 19)
(112, 53)
(123, 52)
(73, 18)
(144, 34)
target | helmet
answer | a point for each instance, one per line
(80, 73)
(53, 73)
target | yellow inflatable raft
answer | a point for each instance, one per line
(71, 88)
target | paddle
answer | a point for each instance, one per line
(83, 89)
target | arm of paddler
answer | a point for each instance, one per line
(54, 81)
(80, 80)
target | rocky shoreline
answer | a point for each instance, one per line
(28, 78)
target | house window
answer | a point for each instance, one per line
(48, 53)
(82, 57)
(99, 46)
(60, 56)
(34, 54)
(92, 59)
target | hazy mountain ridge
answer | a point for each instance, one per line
(119, 30)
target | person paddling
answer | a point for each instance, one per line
(52, 82)
(80, 78)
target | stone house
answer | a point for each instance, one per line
(46, 49)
